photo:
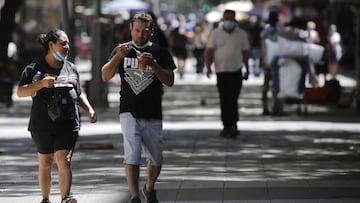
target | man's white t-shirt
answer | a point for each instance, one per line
(228, 49)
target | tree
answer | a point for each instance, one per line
(7, 25)
(8, 9)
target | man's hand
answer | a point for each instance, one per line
(246, 75)
(123, 49)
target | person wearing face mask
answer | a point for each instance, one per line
(144, 67)
(53, 83)
(228, 48)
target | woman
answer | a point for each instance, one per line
(53, 83)
(199, 40)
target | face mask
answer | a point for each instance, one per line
(58, 56)
(148, 43)
(228, 24)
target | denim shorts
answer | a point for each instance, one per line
(141, 134)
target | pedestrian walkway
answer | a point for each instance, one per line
(313, 159)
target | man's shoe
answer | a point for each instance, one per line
(45, 201)
(149, 196)
(234, 133)
(223, 133)
(266, 112)
(135, 200)
(69, 199)
(279, 113)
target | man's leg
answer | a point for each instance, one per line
(265, 90)
(229, 87)
(148, 190)
(153, 173)
(153, 148)
(132, 152)
(132, 177)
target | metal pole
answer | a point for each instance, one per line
(98, 88)
(357, 60)
(68, 28)
(65, 15)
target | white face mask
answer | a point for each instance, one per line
(228, 24)
(59, 57)
(148, 43)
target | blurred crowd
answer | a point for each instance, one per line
(186, 37)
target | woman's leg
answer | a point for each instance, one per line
(63, 160)
(44, 173)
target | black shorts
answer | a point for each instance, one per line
(50, 142)
(180, 52)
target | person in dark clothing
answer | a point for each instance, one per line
(178, 42)
(199, 41)
(53, 83)
(158, 36)
(255, 43)
(121, 33)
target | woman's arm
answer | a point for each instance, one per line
(85, 104)
(30, 89)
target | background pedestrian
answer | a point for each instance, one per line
(228, 47)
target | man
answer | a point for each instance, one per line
(228, 47)
(143, 67)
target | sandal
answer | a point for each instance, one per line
(69, 199)
(45, 201)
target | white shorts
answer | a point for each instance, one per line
(145, 134)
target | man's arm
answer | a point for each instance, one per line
(209, 58)
(166, 76)
(245, 55)
(109, 69)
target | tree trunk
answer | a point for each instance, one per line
(7, 25)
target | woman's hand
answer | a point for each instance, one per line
(92, 116)
(48, 81)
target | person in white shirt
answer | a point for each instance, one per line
(228, 48)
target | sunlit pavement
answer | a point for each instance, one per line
(313, 158)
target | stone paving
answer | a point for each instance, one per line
(313, 158)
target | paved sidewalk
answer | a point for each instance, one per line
(274, 166)
(313, 159)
